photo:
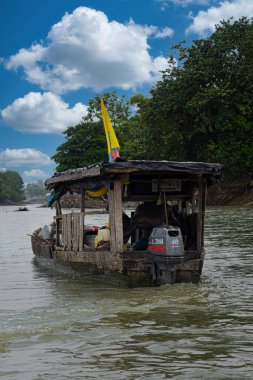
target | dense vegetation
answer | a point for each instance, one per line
(201, 110)
(11, 186)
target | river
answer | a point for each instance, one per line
(57, 327)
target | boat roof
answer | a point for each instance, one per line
(138, 167)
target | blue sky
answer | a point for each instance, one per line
(55, 55)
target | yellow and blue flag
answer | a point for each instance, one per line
(112, 141)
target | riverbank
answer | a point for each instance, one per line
(225, 194)
(230, 194)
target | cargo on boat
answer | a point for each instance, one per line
(162, 242)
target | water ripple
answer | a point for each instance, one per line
(57, 327)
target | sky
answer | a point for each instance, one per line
(55, 55)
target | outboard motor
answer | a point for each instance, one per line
(167, 248)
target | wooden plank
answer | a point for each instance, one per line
(77, 217)
(115, 215)
(58, 216)
(57, 230)
(70, 230)
(69, 223)
(64, 222)
(67, 232)
(64, 229)
(81, 230)
(73, 231)
(76, 230)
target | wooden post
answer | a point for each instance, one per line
(81, 223)
(200, 218)
(115, 216)
(63, 229)
(69, 230)
(193, 201)
(75, 231)
(58, 207)
(57, 227)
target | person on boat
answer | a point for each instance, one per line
(147, 216)
(102, 240)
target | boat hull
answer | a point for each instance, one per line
(132, 269)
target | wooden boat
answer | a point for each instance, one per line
(182, 185)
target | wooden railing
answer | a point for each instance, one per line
(71, 229)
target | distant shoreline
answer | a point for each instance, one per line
(224, 194)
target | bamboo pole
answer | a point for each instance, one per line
(39, 237)
(115, 215)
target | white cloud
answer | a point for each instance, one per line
(23, 157)
(205, 21)
(183, 3)
(86, 50)
(35, 173)
(165, 32)
(42, 113)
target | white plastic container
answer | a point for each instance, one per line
(45, 232)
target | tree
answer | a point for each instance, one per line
(118, 108)
(35, 189)
(86, 143)
(202, 109)
(133, 132)
(11, 186)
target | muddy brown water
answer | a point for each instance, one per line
(53, 326)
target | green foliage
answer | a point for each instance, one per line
(132, 139)
(35, 189)
(202, 109)
(85, 144)
(118, 108)
(11, 186)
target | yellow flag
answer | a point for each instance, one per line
(111, 139)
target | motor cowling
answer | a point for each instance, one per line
(166, 242)
(166, 248)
